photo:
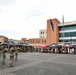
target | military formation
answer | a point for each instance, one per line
(12, 51)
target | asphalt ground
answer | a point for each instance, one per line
(40, 64)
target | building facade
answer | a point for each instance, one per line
(52, 35)
(37, 42)
(67, 32)
(3, 39)
(62, 33)
(42, 33)
(14, 40)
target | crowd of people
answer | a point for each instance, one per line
(58, 50)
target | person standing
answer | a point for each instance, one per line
(16, 53)
(4, 50)
(11, 51)
(1, 48)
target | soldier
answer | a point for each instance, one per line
(0, 50)
(16, 53)
(30, 48)
(24, 48)
(11, 51)
(5, 49)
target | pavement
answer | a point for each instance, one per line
(40, 64)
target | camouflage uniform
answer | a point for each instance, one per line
(16, 53)
(4, 55)
(11, 51)
(30, 48)
(24, 49)
(1, 48)
(0, 51)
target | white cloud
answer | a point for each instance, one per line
(28, 17)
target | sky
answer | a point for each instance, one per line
(24, 18)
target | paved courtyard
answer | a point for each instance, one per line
(41, 64)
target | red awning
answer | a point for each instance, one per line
(43, 46)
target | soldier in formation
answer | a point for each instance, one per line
(4, 50)
(11, 51)
(30, 49)
(17, 49)
(0, 50)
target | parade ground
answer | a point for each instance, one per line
(40, 64)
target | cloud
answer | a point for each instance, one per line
(27, 17)
(10, 33)
(7, 2)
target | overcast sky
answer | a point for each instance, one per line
(24, 18)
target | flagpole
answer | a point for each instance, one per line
(63, 28)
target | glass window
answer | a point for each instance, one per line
(68, 34)
(43, 41)
(41, 32)
(71, 27)
(37, 41)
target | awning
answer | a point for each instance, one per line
(54, 45)
(43, 46)
(67, 45)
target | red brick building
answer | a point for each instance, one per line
(3, 39)
(52, 36)
(37, 42)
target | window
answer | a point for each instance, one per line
(41, 32)
(33, 41)
(72, 27)
(43, 41)
(37, 41)
(68, 34)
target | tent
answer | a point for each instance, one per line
(43, 46)
(23, 45)
(54, 45)
(67, 45)
(8, 44)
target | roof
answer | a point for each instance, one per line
(37, 39)
(67, 23)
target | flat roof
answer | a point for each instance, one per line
(67, 23)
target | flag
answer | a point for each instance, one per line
(52, 25)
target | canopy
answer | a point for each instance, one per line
(54, 45)
(8, 43)
(75, 46)
(23, 44)
(67, 45)
(43, 46)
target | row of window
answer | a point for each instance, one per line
(67, 34)
(72, 27)
(37, 41)
(42, 36)
(68, 40)
(43, 32)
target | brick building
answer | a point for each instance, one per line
(3, 39)
(51, 36)
(37, 42)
